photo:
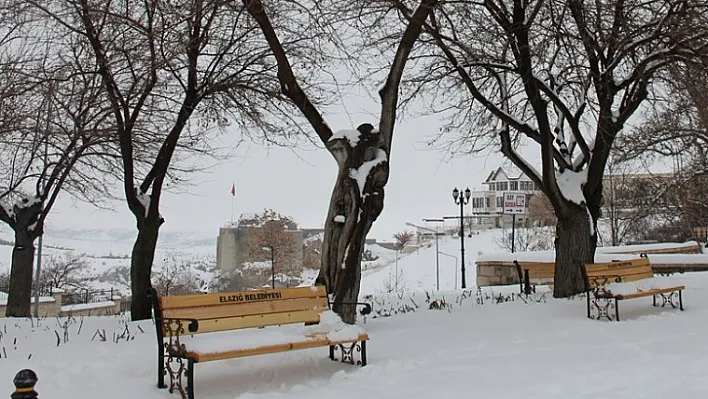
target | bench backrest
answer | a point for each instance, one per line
(597, 274)
(247, 309)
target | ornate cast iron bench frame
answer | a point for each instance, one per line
(173, 358)
(603, 304)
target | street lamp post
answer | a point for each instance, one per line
(462, 200)
(270, 249)
(437, 251)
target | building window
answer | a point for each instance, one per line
(486, 202)
(492, 187)
(500, 202)
(514, 186)
(477, 202)
(502, 186)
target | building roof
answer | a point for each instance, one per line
(512, 174)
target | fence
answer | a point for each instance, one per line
(44, 290)
(84, 295)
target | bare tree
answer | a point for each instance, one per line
(172, 72)
(563, 75)
(535, 238)
(540, 211)
(65, 270)
(403, 238)
(362, 155)
(175, 277)
(54, 138)
(269, 240)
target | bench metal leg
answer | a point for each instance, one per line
(161, 367)
(681, 300)
(603, 308)
(671, 300)
(190, 379)
(347, 352)
(176, 368)
(363, 353)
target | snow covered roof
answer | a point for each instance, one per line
(505, 174)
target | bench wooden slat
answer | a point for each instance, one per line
(623, 272)
(270, 319)
(197, 300)
(245, 309)
(311, 343)
(603, 268)
(649, 292)
(623, 278)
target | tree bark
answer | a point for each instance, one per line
(576, 240)
(343, 243)
(141, 262)
(20, 292)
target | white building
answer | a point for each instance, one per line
(487, 204)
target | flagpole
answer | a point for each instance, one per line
(233, 201)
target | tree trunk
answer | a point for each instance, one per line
(576, 240)
(351, 214)
(20, 291)
(141, 261)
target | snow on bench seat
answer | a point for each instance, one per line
(272, 339)
(629, 288)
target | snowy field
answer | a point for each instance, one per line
(507, 350)
(469, 348)
(493, 350)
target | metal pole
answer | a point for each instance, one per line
(455, 269)
(462, 241)
(437, 263)
(272, 267)
(513, 231)
(37, 275)
(396, 270)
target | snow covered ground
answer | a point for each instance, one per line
(535, 350)
(494, 350)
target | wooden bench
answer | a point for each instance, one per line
(603, 303)
(201, 328)
(533, 274)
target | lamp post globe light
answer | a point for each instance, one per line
(462, 200)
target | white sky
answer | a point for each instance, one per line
(299, 183)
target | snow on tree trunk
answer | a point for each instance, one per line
(141, 261)
(576, 240)
(358, 196)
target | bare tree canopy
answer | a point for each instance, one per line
(172, 73)
(565, 76)
(55, 137)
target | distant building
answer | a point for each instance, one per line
(232, 242)
(487, 204)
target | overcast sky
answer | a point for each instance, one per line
(298, 182)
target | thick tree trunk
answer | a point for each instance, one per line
(576, 240)
(20, 292)
(141, 268)
(351, 214)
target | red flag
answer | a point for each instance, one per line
(233, 189)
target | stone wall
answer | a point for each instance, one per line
(496, 273)
(52, 307)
